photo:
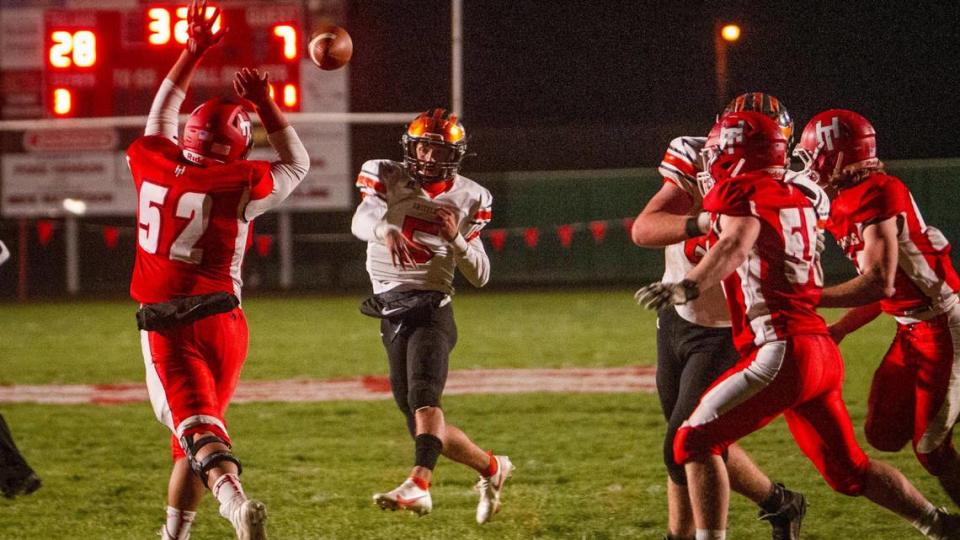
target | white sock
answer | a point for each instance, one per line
(711, 534)
(229, 492)
(178, 524)
(929, 521)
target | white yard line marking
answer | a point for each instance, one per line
(470, 381)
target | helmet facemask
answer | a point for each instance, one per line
(434, 146)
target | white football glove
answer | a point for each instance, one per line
(4, 253)
(658, 295)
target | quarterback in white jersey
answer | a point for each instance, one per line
(694, 340)
(421, 221)
(393, 200)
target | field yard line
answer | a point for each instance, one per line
(370, 387)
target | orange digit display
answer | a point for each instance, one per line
(69, 49)
(164, 27)
(289, 36)
(62, 101)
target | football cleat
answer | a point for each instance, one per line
(947, 528)
(250, 521)
(18, 480)
(787, 519)
(490, 489)
(408, 496)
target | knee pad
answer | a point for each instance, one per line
(883, 439)
(691, 444)
(423, 394)
(202, 467)
(847, 479)
(675, 471)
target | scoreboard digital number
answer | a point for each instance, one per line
(110, 62)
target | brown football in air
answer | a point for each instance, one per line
(330, 47)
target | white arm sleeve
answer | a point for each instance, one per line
(472, 260)
(164, 110)
(4, 253)
(368, 223)
(287, 172)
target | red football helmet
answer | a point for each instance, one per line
(219, 130)
(747, 141)
(836, 142)
(766, 104)
(443, 134)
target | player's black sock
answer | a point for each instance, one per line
(428, 448)
(774, 501)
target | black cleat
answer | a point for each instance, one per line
(18, 482)
(787, 519)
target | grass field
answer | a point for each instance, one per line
(588, 466)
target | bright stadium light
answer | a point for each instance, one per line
(75, 206)
(730, 32)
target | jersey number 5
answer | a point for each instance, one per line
(192, 206)
(413, 227)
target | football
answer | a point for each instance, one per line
(330, 47)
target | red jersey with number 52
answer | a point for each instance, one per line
(775, 292)
(925, 277)
(191, 234)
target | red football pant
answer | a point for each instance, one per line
(914, 394)
(192, 372)
(800, 377)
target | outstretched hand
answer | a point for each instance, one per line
(200, 27)
(252, 85)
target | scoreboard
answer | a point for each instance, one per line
(77, 78)
(110, 62)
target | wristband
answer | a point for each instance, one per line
(692, 227)
(690, 289)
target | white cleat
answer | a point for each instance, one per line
(250, 522)
(490, 489)
(409, 496)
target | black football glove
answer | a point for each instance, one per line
(659, 294)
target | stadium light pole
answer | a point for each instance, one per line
(456, 57)
(724, 35)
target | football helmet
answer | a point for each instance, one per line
(747, 141)
(836, 142)
(766, 104)
(434, 145)
(219, 131)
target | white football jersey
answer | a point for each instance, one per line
(391, 196)
(680, 166)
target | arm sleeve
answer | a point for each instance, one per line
(285, 173)
(472, 260)
(680, 164)
(162, 119)
(4, 253)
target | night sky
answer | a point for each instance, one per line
(595, 84)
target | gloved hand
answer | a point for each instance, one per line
(659, 294)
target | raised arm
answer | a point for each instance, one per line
(162, 119)
(294, 162)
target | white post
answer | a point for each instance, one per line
(73, 253)
(456, 56)
(285, 245)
